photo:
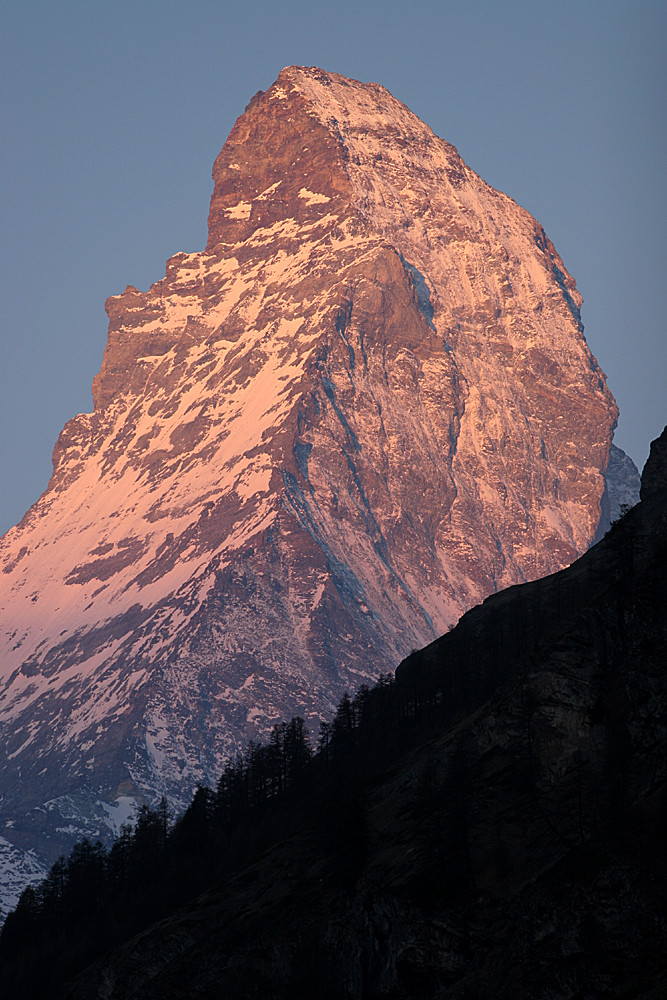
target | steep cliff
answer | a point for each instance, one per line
(367, 404)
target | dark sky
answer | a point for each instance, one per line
(112, 115)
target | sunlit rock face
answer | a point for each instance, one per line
(366, 405)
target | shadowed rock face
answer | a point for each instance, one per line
(367, 404)
(622, 489)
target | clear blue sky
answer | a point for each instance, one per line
(112, 115)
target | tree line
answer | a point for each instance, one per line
(100, 896)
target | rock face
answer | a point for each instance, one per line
(367, 404)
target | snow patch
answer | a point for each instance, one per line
(267, 191)
(240, 211)
(313, 197)
(119, 812)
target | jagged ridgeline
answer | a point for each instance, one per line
(490, 823)
(367, 404)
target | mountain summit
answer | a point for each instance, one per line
(366, 405)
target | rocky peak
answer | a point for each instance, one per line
(281, 161)
(622, 483)
(367, 404)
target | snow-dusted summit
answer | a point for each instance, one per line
(367, 404)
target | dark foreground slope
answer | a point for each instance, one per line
(504, 836)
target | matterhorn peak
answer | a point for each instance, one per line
(364, 406)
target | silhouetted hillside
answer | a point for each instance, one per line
(490, 824)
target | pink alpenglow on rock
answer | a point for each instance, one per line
(365, 406)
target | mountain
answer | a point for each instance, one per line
(365, 406)
(623, 483)
(490, 824)
(622, 487)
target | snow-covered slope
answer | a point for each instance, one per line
(367, 404)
